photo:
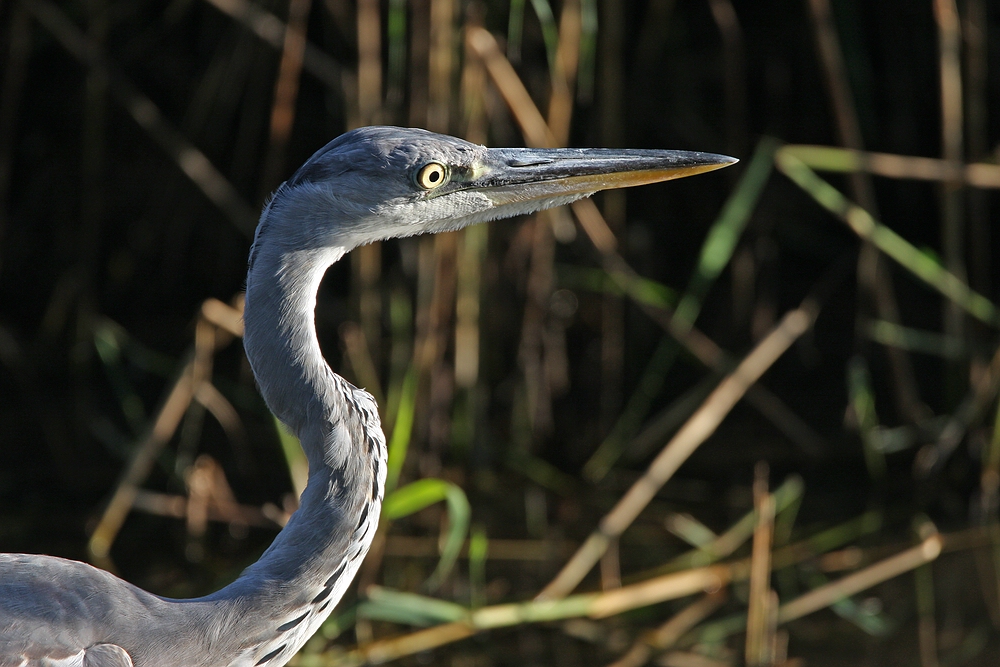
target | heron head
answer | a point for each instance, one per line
(375, 183)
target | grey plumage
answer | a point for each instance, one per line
(370, 184)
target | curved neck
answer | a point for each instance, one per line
(305, 571)
(280, 337)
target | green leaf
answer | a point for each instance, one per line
(423, 493)
(402, 429)
(298, 465)
(550, 32)
(862, 397)
(726, 231)
(385, 604)
(919, 263)
(478, 553)
(515, 28)
(641, 290)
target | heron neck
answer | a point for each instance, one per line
(314, 558)
(281, 343)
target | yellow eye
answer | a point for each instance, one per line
(432, 175)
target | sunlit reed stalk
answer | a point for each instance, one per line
(828, 158)
(953, 232)
(888, 241)
(461, 624)
(667, 634)
(701, 424)
(761, 620)
(821, 597)
(369, 63)
(286, 92)
(366, 261)
(149, 446)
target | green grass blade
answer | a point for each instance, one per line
(385, 604)
(716, 252)
(400, 354)
(550, 32)
(588, 50)
(891, 334)
(726, 231)
(844, 533)
(865, 617)
(459, 514)
(689, 529)
(402, 430)
(478, 552)
(334, 626)
(396, 36)
(827, 158)
(515, 29)
(542, 473)
(786, 496)
(423, 493)
(108, 343)
(298, 465)
(414, 497)
(640, 290)
(919, 263)
(639, 403)
(862, 398)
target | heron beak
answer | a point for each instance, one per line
(524, 175)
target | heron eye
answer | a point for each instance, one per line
(432, 175)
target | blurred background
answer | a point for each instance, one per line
(530, 371)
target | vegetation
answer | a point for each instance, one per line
(744, 418)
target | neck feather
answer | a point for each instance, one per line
(280, 336)
(307, 568)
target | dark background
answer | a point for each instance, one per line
(102, 235)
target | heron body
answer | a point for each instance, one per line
(369, 184)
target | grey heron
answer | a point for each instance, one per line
(370, 184)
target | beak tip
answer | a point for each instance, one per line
(706, 162)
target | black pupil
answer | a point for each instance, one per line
(433, 175)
